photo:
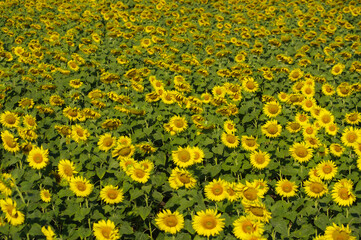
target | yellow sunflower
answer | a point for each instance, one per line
(286, 188)
(295, 74)
(229, 126)
(106, 142)
(245, 227)
(111, 194)
(328, 89)
(302, 118)
(208, 223)
(9, 142)
(308, 104)
(183, 157)
(6, 184)
(198, 154)
(66, 169)
(326, 169)
(257, 211)
(147, 165)
(315, 188)
(207, 97)
(293, 127)
(351, 136)
(337, 69)
(232, 194)
(81, 186)
(48, 233)
(169, 222)
(272, 109)
(9, 119)
(13, 216)
(216, 190)
(342, 193)
(127, 164)
(300, 152)
(78, 133)
(38, 157)
(249, 85)
(230, 140)
(56, 100)
(178, 124)
(325, 118)
(283, 97)
(29, 121)
(260, 159)
(73, 65)
(181, 177)
(251, 192)
(219, 91)
(331, 129)
(138, 174)
(105, 230)
(271, 129)
(309, 130)
(45, 195)
(336, 149)
(123, 151)
(353, 118)
(26, 103)
(335, 232)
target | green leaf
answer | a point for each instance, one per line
(321, 221)
(125, 228)
(35, 230)
(280, 225)
(135, 193)
(144, 212)
(101, 172)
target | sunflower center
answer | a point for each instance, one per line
(344, 90)
(218, 91)
(250, 85)
(81, 186)
(30, 122)
(250, 194)
(72, 113)
(272, 129)
(273, 108)
(38, 158)
(108, 142)
(80, 132)
(184, 155)
(196, 155)
(301, 152)
(332, 128)
(112, 194)
(184, 178)
(230, 126)
(209, 222)
(231, 192)
(295, 126)
(337, 148)
(327, 169)
(139, 173)
(287, 187)
(217, 189)
(351, 137)
(309, 130)
(260, 158)
(309, 104)
(231, 138)
(316, 187)
(337, 69)
(179, 123)
(170, 221)
(10, 142)
(106, 231)
(125, 151)
(250, 142)
(247, 227)
(340, 235)
(343, 193)
(353, 117)
(257, 211)
(46, 194)
(326, 119)
(68, 171)
(295, 75)
(10, 119)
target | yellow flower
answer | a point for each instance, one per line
(181, 177)
(138, 174)
(336, 232)
(111, 194)
(326, 170)
(105, 230)
(230, 140)
(56, 100)
(257, 211)
(232, 194)
(216, 190)
(146, 42)
(75, 83)
(249, 143)
(29, 121)
(208, 223)
(337, 69)
(260, 159)
(106, 142)
(286, 188)
(219, 91)
(272, 129)
(6, 184)
(13, 216)
(183, 157)
(38, 158)
(66, 169)
(26, 103)
(295, 74)
(9, 142)
(229, 126)
(336, 149)
(78, 133)
(81, 186)
(45, 195)
(178, 124)
(351, 136)
(342, 193)
(328, 89)
(293, 127)
(73, 65)
(353, 118)
(315, 188)
(331, 129)
(249, 85)
(9, 119)
(127, 165)
(48, 233)
(300, 152)
(169, 222)
(325, 118)
(245, 227)
(198, 154)
(272, 109)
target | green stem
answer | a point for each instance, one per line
(20, 194)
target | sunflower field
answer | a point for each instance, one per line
(187, 119)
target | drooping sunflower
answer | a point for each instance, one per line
(45, 195)
(198, 154)
(315, 188)
(178, 124)
(105, 230)
(26, 103)
(81, 186)
(257, 211)
(38, 157)
(260, 159)
(111, 194)
(342, 193)
(326, 170)
(351, 136)
(9, 119)
(249, 143)
(208, 223)
(123, 151)
(335, 232)
(48, 233)
(9, 142)
(66, 169)
(271, 129)
(230, 140)
(181, 177)
(78, 133)
(111, 124)
(170, 222)
(300, 152)
(272, 109)
(216, 190)
(183, 157)
(245, 227)
(286, 188)
(106, 142)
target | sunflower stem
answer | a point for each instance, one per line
(20, 194)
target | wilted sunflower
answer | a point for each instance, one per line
(105, 230)
(38, 157)
(111, 124)
(26, 103)
(286, 188)
(56, 100)
(111, 194)
(81, 186)
(9, 142)
(244, 227)
(208, 223)
(9, 119)
(216, 190)
(169, 222)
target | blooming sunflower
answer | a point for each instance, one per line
(208, 223)
(328, 89)
(342, 193)
(81, 186)
(272, 109)
(45, 195)
(335, 232)
(302, 118)
(111, 194)
(169, 222)
(9, 119)
(79, 134)
(286, 188)
(300, 152)
(26, 103)
(6, 184)
(249, 85)
(249, 143)
(257, 211)
(105, 230)
(325, 118)
(293, 127)
(260, 159)
(230, 140)
(75, 83)
(337, 69)
(216, 190)
(283, 97)
(229, 126)
(326, 170)
(232, 194)
(106, 142)
(138, 174)
(251, 192)
(245, 227)
(183, 157)
(73, 65)
(66, 169)
(315, 188)
(207, 97)
(127, 165)
(351, 136)
(271, 129)
(9, 142)
(219, 91)
(29, 121)
(295, 74)
(178, 124)
(181, 177)
(353, 118)
(308, 104)
(38, 157)
(331, 129)
(336, 149)
(309, 130)
(198, 154)
(13, 216)
(123, 151)
(147, 165)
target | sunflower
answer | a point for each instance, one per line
(73, 65)
(308, 104)
(312, 142)
(283, 97)
(138, 174)
(257, 211)
(249, 85)
(344, 90)
(331, 129)
(232, 194)
(111, 194)
(328, 89)
(183, 157)
(81, 186)
(245, 227)
(26, 103)
(78, 133)
(66, 169)
(335, 232)
(170, 222)
(300, 152)
(219, 91)
(27, 134)
(286, 188)
(272, 109)
(326, 170)
(29, 121)
(271, 129)
(251, 192)
(309, 130)
(167, 97)
(6, 184)
(111, 124)
(178, 124)
(127, 164)
(181, 177)
(216, 190)
(315, 188)
(260, 159)
(147, 165)
(229, 126)
(45, 195)
(336, 149)
(342, 193)
(198, 154)
(9, 119)
(207, 97)
(230, 140)
(249, 143)
(38, 158)
(56, 100)
(106, 142)
(295, 74)
(353, 118)
(9, 142)
(146, 42)
(105, 230)
(337, 69)
(325, 118)
(293, 127)
(351, 136)
(13, 216)
(48, 233)
(302, 118)
(208, 223)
